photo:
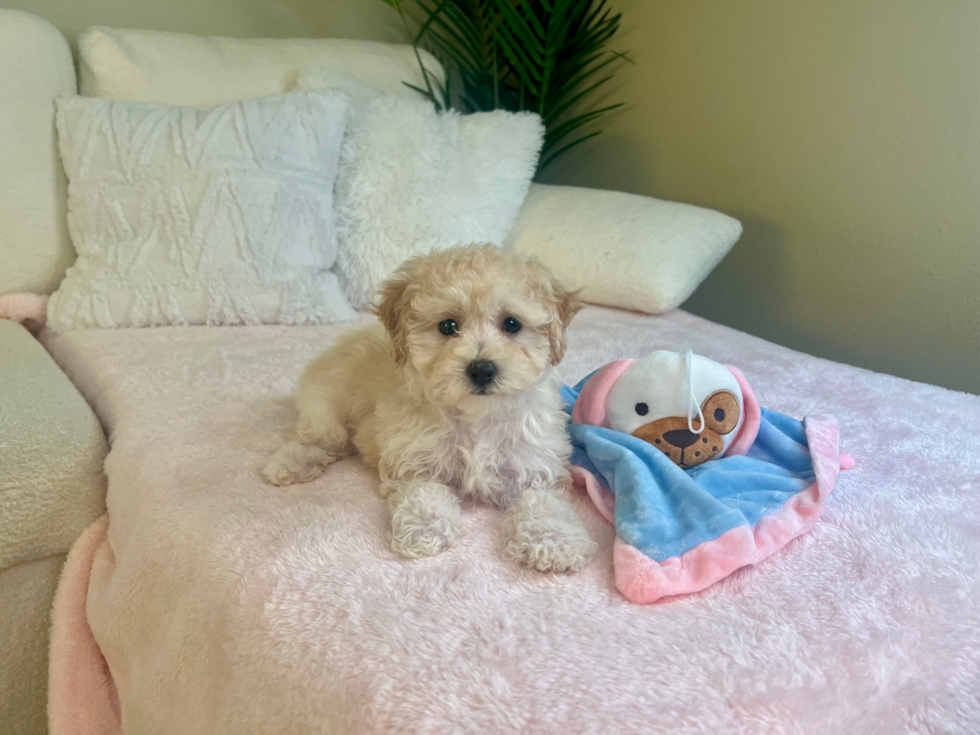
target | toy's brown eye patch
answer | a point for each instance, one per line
(720, 411)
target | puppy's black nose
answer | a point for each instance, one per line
(481, 372)
(680, 438)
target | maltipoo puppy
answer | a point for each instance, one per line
(454, 395)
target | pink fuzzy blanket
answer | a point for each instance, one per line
(220, 604)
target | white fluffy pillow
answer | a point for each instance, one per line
(413, 180)
(188, 216)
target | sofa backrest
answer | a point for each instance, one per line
(206, 71)
(35, 67)
(148, 66)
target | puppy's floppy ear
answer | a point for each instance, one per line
(392, 307)
(562, 305)
(565, 306)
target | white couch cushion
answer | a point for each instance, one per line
(623, 250)
(203, 71)
(35, 67)
(189, 216)
(27, 591)
(51, 453)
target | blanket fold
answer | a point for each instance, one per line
(82, 697)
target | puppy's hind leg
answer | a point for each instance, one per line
(294, 463)
(319, 439)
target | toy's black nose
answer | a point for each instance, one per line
(680, 438)
(482, 372)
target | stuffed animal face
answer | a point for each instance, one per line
(655, 397)
(652, 401)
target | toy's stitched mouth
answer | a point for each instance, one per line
(684, 465)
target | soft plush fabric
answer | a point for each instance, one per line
(188, 216)
(26, 593)
(224, 605)
(413, 180)
(200, 71)
(78, 671)
(51, 453)
(623, 250)
(35, 67)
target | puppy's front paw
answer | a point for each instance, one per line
(295, 462)
(545, 533)
(568, 550)
(414, 535)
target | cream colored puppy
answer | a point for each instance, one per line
(453, 394)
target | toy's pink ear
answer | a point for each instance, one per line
(753, 416)
(590, 408)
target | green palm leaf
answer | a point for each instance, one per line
(549, 56)
(555, 135)
(547, 160)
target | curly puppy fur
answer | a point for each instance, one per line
(403, 395)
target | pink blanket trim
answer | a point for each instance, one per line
(29, 309)
(82, 697)
(642, 580)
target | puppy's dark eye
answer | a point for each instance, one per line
(512, 325)
(719, 415)
(448, 327)
(642, 409)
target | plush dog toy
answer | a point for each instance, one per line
(643, 432)
(665, 397)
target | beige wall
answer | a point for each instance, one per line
(845, 134)
(370, 20)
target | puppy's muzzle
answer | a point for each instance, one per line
(481, 374)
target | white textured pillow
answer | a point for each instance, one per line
(623, 250)
(187, 216)
(413, 180)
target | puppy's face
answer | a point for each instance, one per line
(475, 324)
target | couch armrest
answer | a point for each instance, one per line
(622, 250)
(51, 453)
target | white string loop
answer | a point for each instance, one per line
(689, 360)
